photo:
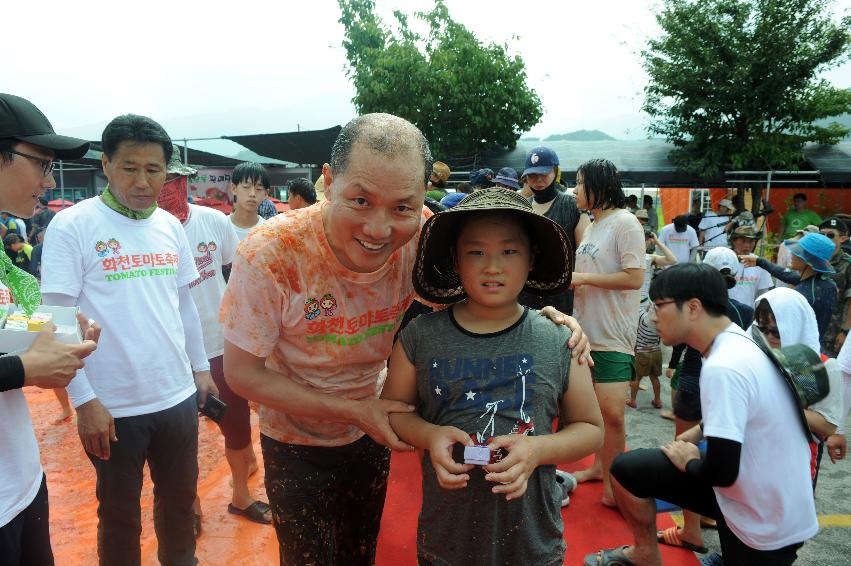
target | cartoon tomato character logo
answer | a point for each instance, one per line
(114, 245)
(101, 248)
(328, 304)
(311, 308)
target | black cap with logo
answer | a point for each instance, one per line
(21, 120)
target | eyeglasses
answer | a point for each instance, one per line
(654, 305)
(47, 165)
(770, 330)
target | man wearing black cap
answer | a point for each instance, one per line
(837, 330)
(550, 199)
(680, 238)
(28, 146)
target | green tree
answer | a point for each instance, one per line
(466, 97)
(734, 84)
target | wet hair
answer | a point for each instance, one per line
(303, 188)
(136, 129)
(602, 184)
(685, 281)
(801, 196)
(12, 239)
(251, 172)
(383, 134)
(464, 187)
(761, 312)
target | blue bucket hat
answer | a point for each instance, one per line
(540, 160)
(815, 249)
(508, 177)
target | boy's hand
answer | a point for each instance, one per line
(450, 474)
(578, 343)
(669, 373)
(512, 473)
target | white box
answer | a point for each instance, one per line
(17, 341)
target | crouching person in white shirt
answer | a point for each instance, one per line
(754, 478)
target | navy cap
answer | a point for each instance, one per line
(540, 160)
(508, 177)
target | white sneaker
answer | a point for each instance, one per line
(567, 483)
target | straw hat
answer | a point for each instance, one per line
(435, 278)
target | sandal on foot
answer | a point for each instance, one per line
(656, 404)
(255, 512)
(671, 537)
(610, 557)
(631, 403)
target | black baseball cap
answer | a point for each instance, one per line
(21, 120)
(834, 223)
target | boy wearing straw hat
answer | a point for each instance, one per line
(488, 377)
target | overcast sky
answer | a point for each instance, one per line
(243, 67)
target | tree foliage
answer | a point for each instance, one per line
(465, 96)
(734, 84)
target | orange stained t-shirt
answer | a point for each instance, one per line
(289, 300)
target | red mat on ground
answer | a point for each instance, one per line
(589, 526)
(228, 540)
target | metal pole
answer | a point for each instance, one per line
(62, 183)
(765, 217)
(185, 151)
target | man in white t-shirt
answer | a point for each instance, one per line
(129, 264)
(28, 147)
(713, 227)
(249, 185)
(751, 282)
(680, 238)
(756, 466)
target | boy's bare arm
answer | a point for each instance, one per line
(249, 377)
(401, 386)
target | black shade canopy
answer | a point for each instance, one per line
(308, 148)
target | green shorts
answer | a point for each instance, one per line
(612, 367)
